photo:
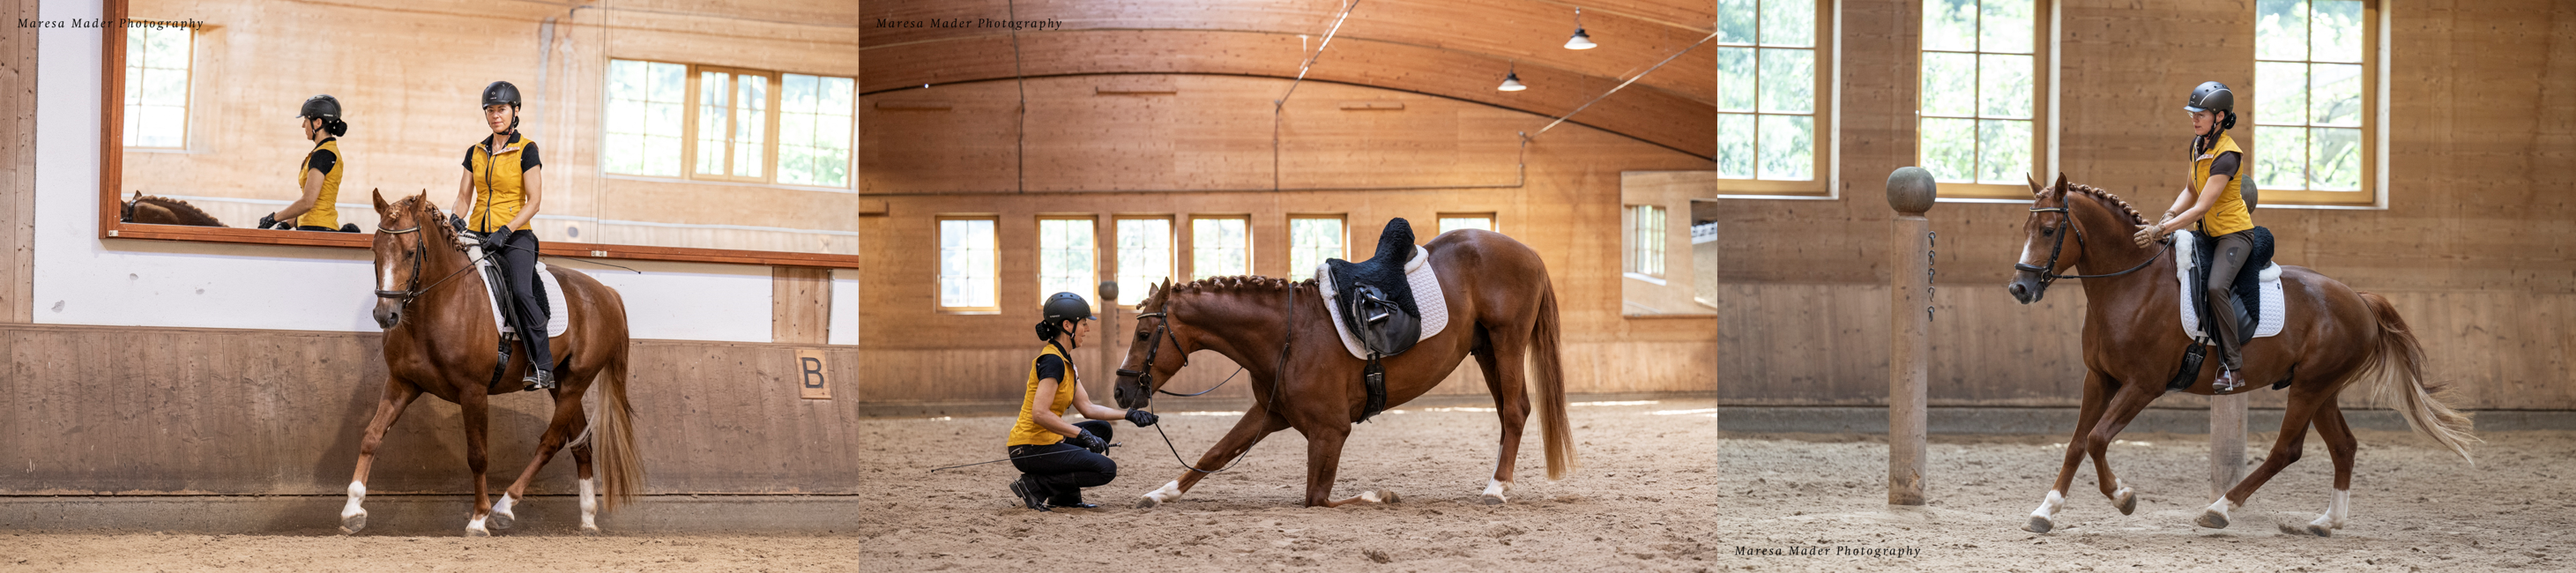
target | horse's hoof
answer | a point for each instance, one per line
(502, 515)
(351, 523)
(477, 532)
(1493, 499)
(1147, 502)
(2212, 519)
(2320, 530)
(2128, 502)
(590, 530)
(2038, 525)
(1388, 496)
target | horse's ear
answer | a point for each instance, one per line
(2035, 189)
(381, 207)
(2061, 182)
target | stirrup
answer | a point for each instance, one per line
(2227, 381)
(539, 380)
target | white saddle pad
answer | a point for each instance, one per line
(2274, 313)
(556, 322)
(1426, 297)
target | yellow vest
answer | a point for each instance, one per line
(1027, 432)
(499, 187)
(2229, 215)
(325, 213)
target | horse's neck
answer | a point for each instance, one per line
(2109, 249)
(1238, 324)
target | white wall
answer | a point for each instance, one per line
(82, 279)
(845, 307)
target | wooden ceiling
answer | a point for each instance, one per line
(1451, 48)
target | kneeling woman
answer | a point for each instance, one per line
(1057, 459)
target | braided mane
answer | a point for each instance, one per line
(2117, 204)
(1253, 283)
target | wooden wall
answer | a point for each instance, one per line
(2477, 247)
(1103, 155)
(121, 410)
(17, 165)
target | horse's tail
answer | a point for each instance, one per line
(621, 471)
(1550, 375)
(2396, 372)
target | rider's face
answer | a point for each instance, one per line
(2201, 122)
(499, 116)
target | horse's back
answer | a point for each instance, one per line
(1502, 277)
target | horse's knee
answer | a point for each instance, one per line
(2097, 442)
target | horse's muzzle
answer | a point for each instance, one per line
(387, 316)
(2025, 290)
(1129, 399)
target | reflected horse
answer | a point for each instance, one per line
(158, 210)
(442, 341)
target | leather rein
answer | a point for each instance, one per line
(2065, 221)
(1146, 377)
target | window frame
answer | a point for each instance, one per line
(1824, 122)
(778, 129)
(1640, 240)
(1248, 262)
(2373, 177)
(187, 96)
(769, 129)
(2043, 102)
(1038, 227)
(1492, 222)
(1342, 220)
(1117, 254)
(939, 261)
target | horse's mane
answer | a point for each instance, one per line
(176, 206)
(2116, 204)
(424, 215)
(1226, 284)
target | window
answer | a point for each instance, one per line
(1144, 257)
(1767, 84)
(1219, 247)
(725, 124)
(645, 104)
(1982, 78)
(1646, 240)
(1065, 258)
(1311, 239)
(2311, 103)
(1455, 221)
(156, 86)
(966, 265)
(815, 116)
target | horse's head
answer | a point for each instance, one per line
(403, 232)
(1157, 353)
(2044, 249)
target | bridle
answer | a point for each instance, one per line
(1146, 378)
(2066, 221)
(420, 252)
(1155, 347)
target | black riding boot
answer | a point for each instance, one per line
(1031, 493)
(519, 262)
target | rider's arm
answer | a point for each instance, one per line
(2208, 196)
(1082, 403)
(1046, 418)
(312, 193)
(464, 192)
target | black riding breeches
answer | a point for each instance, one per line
(519, 271)
(1064, 469)
(2228, 258)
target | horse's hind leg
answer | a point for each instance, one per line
(567, 419)
(478, 417)
(2339, 443)
(589, 499)
(1256, 422)
(2096, 392)
(2304, 402)
(1500, 358)
(398, 395)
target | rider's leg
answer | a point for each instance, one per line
(2231, 251)
(520, 263)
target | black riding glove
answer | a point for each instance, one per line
(1141, 418)
(268, 220)
(492, 241)
(1086, 440)
(457, 223)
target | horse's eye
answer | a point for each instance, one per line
(2051, 232)
(1140, 337)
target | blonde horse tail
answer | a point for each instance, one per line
(1550, 374)
(621, 471)
(2396, 374)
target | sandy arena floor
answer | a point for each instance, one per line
(1646, 499)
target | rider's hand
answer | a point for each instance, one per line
(1141, 418)
(1087, 441)
(457, 223)
(2148, 235)
(268, 220)
(492, 241)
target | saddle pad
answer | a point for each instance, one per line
(1426, 295)
(556, 322)
(2269, 280)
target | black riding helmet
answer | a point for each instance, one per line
(2214, 96)
(322, 106)
(500, 93)
(1061, 307)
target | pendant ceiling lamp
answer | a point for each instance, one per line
(1580, 41)
(1512, 81)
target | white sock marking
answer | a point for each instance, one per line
(1171, 491)
(2336, 510)
(476, 527)
(1497, 489)
(2048, 507)
(357, 493)
(589, 507)
(503, 507)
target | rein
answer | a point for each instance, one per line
(2065, 221)
(1147, 378)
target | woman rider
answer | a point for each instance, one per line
(501, 188)
(1058, 459)
(2214, 203)
(320, 178)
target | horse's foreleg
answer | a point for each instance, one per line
(1255, 423)
(2302, 408)
(1323, 460)
(398, 395)
(477, 418)
(2340, 444)
(1504, 378)
(2096, 392)
(2125, 405)
(567, 419)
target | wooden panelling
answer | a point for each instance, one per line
(801, 303)
(17, 165)
(164, 410)
(2477, 249)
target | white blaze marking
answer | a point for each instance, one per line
(2025, 253)
(1168, 493)
(589, 507)
(386, 282)
(357, 493)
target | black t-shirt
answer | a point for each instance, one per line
(322, 160)
(1051, 366)
(2226, 164)
(527, 157)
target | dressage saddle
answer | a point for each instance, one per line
(1377, 305)
(2244, 295)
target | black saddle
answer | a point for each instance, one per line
(1377, 305)
(2245, 294)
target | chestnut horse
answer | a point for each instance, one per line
(442, 341)
(158, 210)
(1501, 308)
(2134, 342)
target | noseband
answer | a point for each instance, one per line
(1155, 348)
(2066, 221)
(420, 252)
